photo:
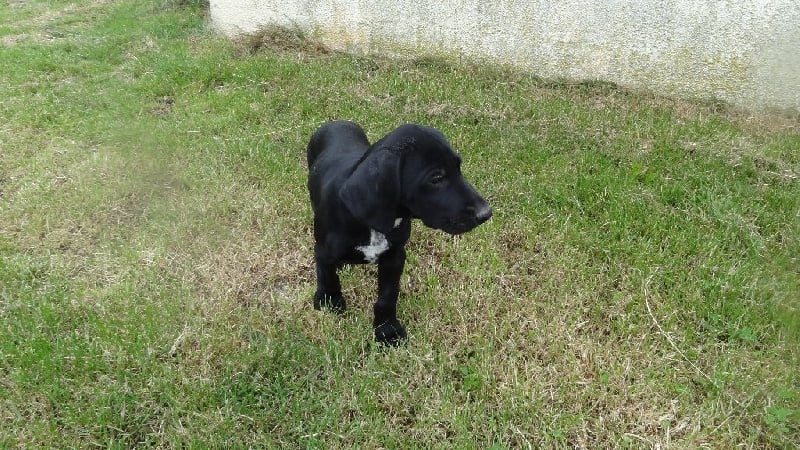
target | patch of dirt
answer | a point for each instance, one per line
(249, 271)
(12, 40)
(163, 106)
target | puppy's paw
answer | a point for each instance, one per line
(335, 302)
(390, 333)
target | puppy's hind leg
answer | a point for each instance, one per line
(329, 290)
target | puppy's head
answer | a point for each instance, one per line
(413, 170)
(434, 189)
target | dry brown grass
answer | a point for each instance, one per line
(277, 38)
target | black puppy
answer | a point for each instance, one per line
(364, 198)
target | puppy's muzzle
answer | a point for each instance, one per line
(471, 217)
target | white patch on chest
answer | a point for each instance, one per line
(377, 245)
(398, 221)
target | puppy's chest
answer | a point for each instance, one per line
(377, 244)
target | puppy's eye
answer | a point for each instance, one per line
(437, 178)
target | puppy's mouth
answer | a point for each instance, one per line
(460, 225)
(456, 228)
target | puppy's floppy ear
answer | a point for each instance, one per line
(372, 192)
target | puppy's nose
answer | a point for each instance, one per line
(483, 213)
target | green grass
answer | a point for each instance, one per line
(637, 286)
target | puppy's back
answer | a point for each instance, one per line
(337, 136)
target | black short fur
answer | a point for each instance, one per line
(364, 197)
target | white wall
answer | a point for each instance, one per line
(743, 51)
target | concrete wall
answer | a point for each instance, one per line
(743, 51)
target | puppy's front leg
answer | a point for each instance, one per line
(329, 290)
(388, 329)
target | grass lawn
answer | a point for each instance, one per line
(637, 287)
